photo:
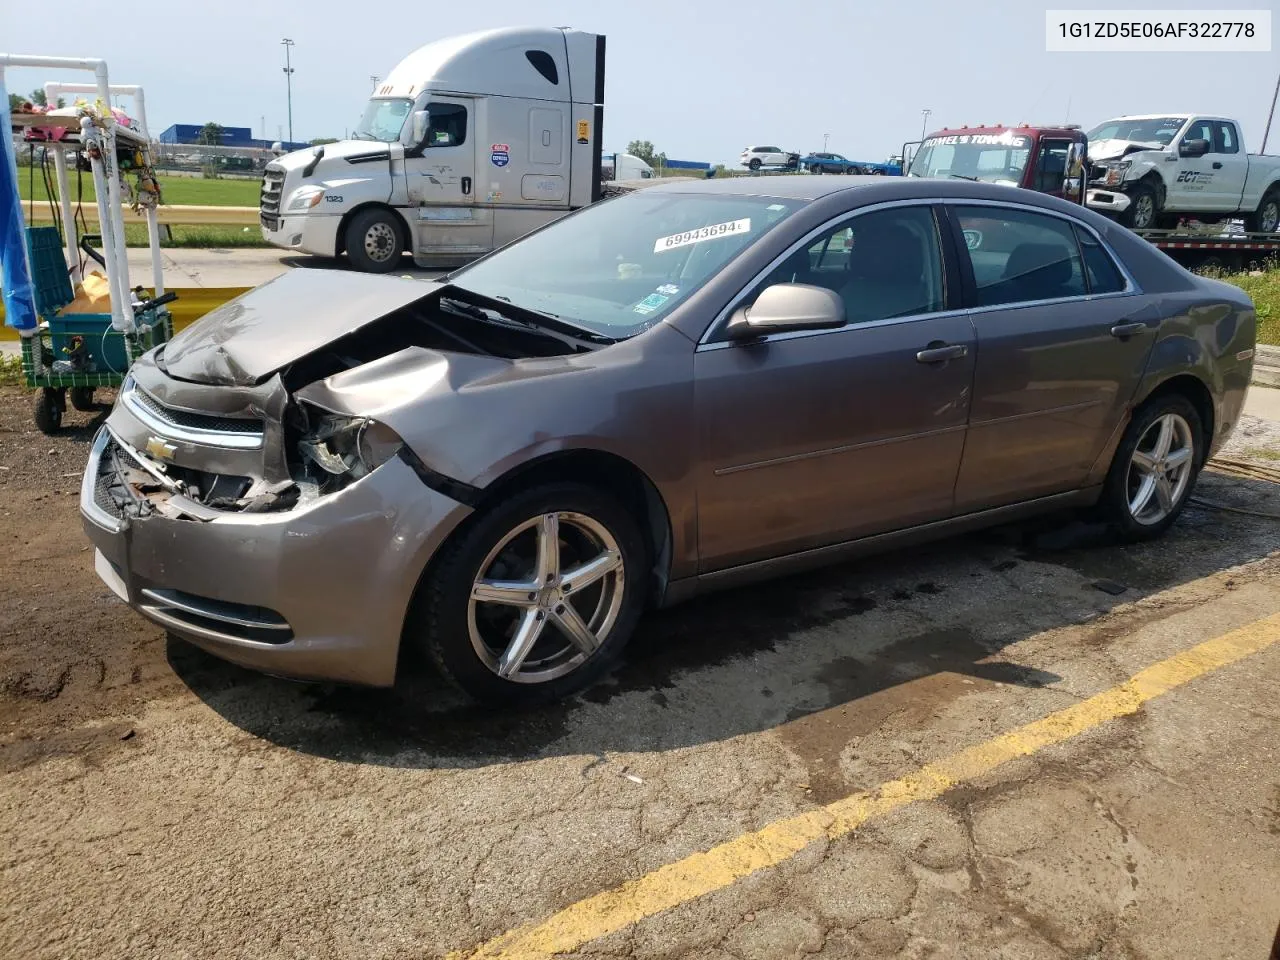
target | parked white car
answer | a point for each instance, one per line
(756, 157)
(1150, 170)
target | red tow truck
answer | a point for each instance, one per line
(1052, 159)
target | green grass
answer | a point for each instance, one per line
(177, 191)
(213, 235)
(11, 370)
(1264, 287)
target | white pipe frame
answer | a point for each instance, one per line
(111, 219)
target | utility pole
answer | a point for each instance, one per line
(1271, 115)
(826, 137)
(288, 77)
(262, 123)
(924, 122)
(374, 78)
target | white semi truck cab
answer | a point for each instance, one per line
(469, 143)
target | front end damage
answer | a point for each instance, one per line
(252, 490)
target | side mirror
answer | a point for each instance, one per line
(418, 126)
(788, 306)
(1073, 182)
(1194, 148)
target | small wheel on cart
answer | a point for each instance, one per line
(82, 399)
(50, 402)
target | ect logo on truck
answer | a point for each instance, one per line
(1194, 176)
(500, 154)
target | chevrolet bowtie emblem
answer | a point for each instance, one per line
(160, 449)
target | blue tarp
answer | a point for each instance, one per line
(15, 267)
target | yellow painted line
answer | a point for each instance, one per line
(723, 865)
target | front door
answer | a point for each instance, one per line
(812, 438)
(1051, 165)
(441, 183)
(1196, 185)
(1062, 343)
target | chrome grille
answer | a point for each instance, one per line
(272, 187)
(236, 433)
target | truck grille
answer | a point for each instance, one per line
(272, 187)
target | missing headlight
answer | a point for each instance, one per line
(346, 448)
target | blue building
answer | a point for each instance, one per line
(231, 137)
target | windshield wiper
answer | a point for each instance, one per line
(584, 340)
(551, 323)
(961, 176)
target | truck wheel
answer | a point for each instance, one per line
(50, 402)
(754, 164)
(374, 241)
(1144, 208)
(1266, 219)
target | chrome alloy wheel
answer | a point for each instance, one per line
(546, 597)
(1144, 214)
(1269, 216)
(380, 242)
(1160, 469)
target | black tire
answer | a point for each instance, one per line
(754, 163)
(82, 399)
(441, 621)
(50, 403)
(1266, 219)
(1143, 195)
(375, 241)
(1114, 504)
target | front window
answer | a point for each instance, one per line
(991, 158)
(1161, 130)
(383, 120)
(618, 267)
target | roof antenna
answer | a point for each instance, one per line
(1067, 118)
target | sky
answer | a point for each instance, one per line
(699, 79)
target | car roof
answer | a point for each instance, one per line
(805, 186)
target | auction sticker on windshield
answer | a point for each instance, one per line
(713, 232)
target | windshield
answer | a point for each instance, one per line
(383, 120)
(1161, 130)
(990, 157)
(620, 266)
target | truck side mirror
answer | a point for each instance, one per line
(418, 126)
(1073, 181)
(1194, 148)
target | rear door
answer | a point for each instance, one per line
(1062, 339)
(1229, 163)
(812, 438)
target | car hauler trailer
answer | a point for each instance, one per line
(1055, 160)
(469, 143)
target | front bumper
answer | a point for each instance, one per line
(317, 592)
(1107, 200)
(303, 233)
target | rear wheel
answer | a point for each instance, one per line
(82, 398)
(374, 241)
(1155, 468)
(536, 599)
(1266, 219)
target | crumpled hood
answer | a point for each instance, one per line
(1102, 150)
(249, 338)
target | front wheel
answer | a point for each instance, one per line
(1143, 210)
(374, 241)
(537, 597)
(754, 164)
(1155, 468)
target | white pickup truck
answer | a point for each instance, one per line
(1149, 171)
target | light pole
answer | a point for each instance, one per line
(374, 78)
(288, 79)
(826, 137)
(924, 122)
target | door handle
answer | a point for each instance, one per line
(1217, 165)
(1125, 330)
(466, 185)
(942, 352)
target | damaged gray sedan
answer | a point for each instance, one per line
(693, 386)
